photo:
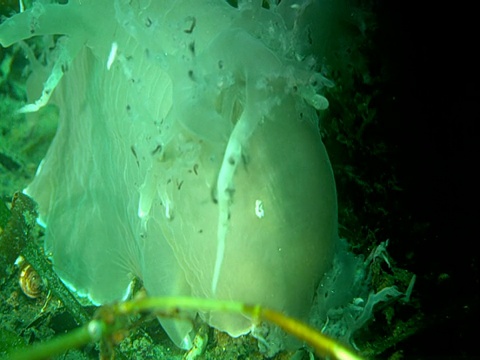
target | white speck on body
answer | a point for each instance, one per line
(112, 55)
(259, 211)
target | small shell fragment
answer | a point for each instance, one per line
(29, 280)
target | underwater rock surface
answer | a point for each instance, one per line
(187, 154)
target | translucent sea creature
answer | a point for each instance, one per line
(187, 155)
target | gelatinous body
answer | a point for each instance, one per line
(187, 154)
